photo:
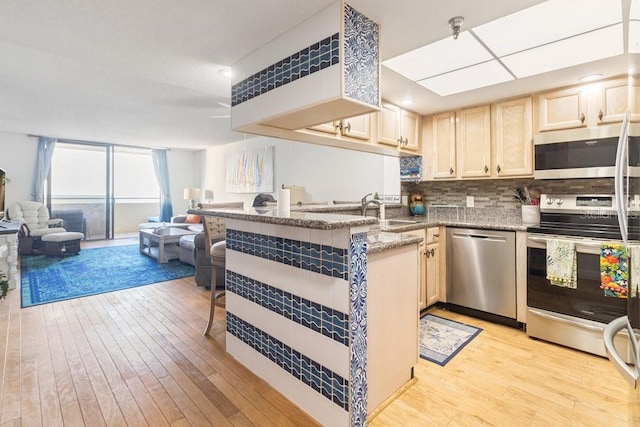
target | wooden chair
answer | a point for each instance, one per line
(214, 233)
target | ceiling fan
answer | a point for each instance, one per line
(222, 116)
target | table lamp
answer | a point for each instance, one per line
(191, 194)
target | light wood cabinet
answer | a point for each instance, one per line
(634, 100)
(409, 131)
(612, 99)
(388, 125)
(442, 157)
(615, 97)
(489, 141)
(589, 105)
(512, 138)
(562, 109)
(358, 127)
(422, 264)
(473, 142)
(330, 128)
(429, 279)
(432, 267)
(399, 128)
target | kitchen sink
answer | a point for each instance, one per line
(395, 222)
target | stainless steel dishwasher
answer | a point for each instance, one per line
(481, 270)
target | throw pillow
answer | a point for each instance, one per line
(192, 219)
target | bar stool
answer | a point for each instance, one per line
(217, 252)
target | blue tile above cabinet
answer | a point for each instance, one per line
(411, 169)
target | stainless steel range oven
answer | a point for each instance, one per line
(575, 317)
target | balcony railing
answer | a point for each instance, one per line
(128, 213)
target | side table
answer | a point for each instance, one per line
(166, 247)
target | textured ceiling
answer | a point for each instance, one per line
(146, 72)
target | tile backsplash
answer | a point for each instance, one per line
(498, 193)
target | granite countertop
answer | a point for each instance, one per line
(379, 237)
(340, 207)
(381, 241)
(495, 223)
(313, 220)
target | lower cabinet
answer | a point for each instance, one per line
(422, 265)
(432, 285)
(429, 277)
(432, 277)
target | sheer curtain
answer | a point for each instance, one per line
(43, 164)
(161, 170)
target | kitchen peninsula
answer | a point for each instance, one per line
(316, 306)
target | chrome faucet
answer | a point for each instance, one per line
(364, 204)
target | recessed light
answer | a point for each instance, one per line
(406, 102)
(591, 78)
(225, 72)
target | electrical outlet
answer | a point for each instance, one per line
(470, 201)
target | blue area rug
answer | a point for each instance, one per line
(441, 339)
(94, 271)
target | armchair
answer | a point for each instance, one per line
(35, 223)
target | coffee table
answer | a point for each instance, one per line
(166, 244)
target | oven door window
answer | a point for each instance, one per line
(587, 301)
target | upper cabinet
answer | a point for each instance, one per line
(399, 128)
(562, 109)
(473, 142)
(588, 105)
(612, 101)
(512, 138)
(440, 150)
(358, 127)
(489, 141)
(634, 100)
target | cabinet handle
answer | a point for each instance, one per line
(486, 169)
(436, 235)
(450, 171)
(406, 141)
(347, 128)
(582, 118)
(498, 169)
(338, 126)
(600, 115)
(426, 253)
(399, 140)
(432, 252)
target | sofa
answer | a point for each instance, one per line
(192, 251)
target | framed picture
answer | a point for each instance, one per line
(250, 171)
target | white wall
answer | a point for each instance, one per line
(184, 172)
(327, 173)
(18, 159)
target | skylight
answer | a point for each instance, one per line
(549, 36)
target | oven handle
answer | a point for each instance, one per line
(566, 321)
(582, 246)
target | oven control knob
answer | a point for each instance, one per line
(559, 201)
(549, 200)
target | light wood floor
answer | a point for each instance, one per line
(138, 357)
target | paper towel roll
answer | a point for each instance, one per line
(284, 202)
(297, 193)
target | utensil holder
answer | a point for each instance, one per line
(530, 214)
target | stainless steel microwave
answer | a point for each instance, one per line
(584, 153)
